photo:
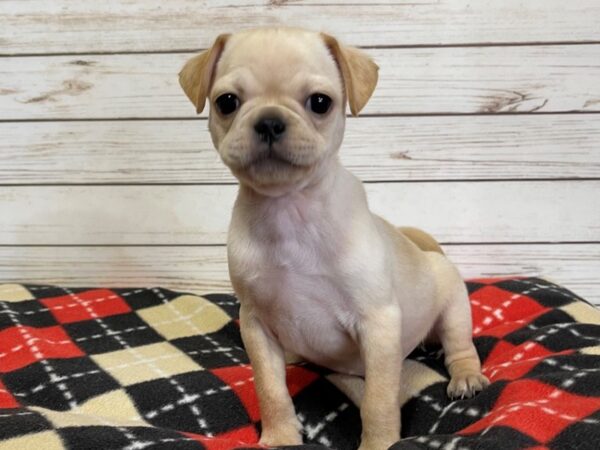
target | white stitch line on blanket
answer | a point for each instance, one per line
(101, 335)
(555, 328)
(186, 397)
(313, 431)
(431, 402)
(536, 287)
(224, 303)
(135, 353)
(434, 443)
(443, 413)
(498, 312)
(41, 387)
(553, 288)
(71, 305)
(37, 354)
(470, 411)
(23, 413)
(144, 327)
(577, 333)
(188, 322)
(517, 358)
(452, 444)
(550, 287)
(140, 445)
(497, 367)
(552, 330)
(580, 372)
(517, 406)
(128, 434)
(183, 401)
(16, 348)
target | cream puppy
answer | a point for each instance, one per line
(317, 274)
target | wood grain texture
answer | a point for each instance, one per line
(40, 26)
(536, 211)
(461, 80)
(204, 269)
(375, 149)
(198, 269)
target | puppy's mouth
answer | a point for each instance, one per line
(273, 157)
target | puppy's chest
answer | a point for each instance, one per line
(301, 296)
(295, 271)
(292, 247)
(305, 305)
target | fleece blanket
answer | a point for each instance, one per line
(152, 368)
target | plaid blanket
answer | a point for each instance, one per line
(153, 368)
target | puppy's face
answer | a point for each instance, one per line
(277, 103)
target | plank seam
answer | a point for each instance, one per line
(448, 244)
(233, 183)
(366, 47)
(367, 115)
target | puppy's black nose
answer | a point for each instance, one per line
(269, 129)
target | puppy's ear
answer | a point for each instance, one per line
(197, 74)
(359, 72)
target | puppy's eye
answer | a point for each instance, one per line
(318, 103)
(227, 103)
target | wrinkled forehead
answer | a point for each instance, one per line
(276, 58)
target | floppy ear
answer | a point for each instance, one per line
(197, 74)
(359, 72)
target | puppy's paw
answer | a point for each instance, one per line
(283, 434)
(466, 385)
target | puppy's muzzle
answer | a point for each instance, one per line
(269, 129)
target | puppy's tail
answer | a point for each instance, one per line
(422, 240)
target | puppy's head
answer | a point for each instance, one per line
(277, 102)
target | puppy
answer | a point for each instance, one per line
(316, 273)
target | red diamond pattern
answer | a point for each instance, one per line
(509, 362)
(535, 409)
(87, 305)
(496, 311)
(21, 346)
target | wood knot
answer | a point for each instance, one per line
(400, 155)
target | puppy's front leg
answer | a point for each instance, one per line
(381, 348)
(279, 423)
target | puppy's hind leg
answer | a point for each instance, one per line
(454, 330)
(421, 239)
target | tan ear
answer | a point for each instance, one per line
(197, 74)
(359, 72)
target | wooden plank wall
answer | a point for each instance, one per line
(484, 129)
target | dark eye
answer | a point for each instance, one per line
(318, 103)
(227, 103)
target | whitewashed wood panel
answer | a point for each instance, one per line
(198, 269)
(375, 149)
(476, 212)
(40, 26)
(204, 269)
(412, 81)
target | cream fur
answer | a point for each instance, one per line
(318, 274)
